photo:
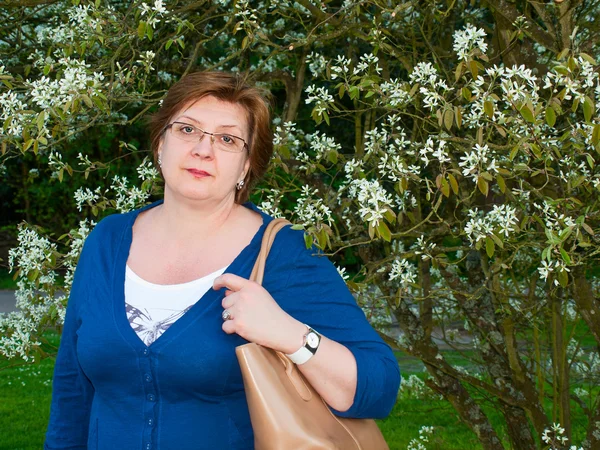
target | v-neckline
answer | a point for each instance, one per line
(242, 263)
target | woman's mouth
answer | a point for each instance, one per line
(198, 173)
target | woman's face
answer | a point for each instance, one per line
(200, 170)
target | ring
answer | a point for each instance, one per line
(226, 315)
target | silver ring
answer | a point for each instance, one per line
(226, 315)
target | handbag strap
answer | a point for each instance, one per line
(271, 231)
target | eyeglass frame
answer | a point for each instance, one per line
(245, 147)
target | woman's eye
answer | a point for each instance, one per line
(227, 139)
(187, 130)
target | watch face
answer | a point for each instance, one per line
(312, 340)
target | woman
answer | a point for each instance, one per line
(144, 364)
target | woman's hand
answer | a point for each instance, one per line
(256, 316)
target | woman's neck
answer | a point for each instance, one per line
(193, 221)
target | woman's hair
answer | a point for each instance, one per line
(231, 88)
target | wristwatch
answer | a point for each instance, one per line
(311, 342)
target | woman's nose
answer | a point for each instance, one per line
(204, 146)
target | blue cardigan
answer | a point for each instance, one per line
(185, 391)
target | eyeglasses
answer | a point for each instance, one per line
(222, 141)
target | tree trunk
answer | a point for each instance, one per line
(448, 386)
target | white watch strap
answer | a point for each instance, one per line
(301, 356)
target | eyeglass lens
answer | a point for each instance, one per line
(222, 141)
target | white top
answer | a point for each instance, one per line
(153, 308)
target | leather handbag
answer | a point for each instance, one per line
(285, 411)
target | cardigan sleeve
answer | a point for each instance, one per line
(72, 391)
(316, 295)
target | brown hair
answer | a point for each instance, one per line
(230, 88)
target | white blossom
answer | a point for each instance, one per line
(310, 209)
(322, 99)
(316, 64)
(404, 272)
(373, 200)
(477, 161)
(500, 220)
(468, 40)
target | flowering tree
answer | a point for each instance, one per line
(460, 191)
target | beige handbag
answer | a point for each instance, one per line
(285, 411)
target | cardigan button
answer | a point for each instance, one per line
(150, 422)
(151, 397)
(146, 352)
(148, 378)
(148, 446)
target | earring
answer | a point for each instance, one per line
(239, 185)
(159, 160)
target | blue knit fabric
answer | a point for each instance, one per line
(185, 391)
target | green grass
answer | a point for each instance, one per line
(6, 281)
(25, 394)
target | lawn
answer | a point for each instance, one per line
(25, 393)
(6, 279)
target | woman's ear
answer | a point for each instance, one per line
(246, 168)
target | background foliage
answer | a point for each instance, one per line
(444, 154)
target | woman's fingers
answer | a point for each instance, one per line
(230, 281)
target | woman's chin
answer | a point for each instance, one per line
(195, 194)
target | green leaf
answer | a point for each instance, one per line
(563, 278)
(384, 231)
(33, 275)
(501, 183)
(488, 107)
(473, 68)
(40, 120)
(168, 44)
(371, 231)
(488, 176)
(562, 54)
(590, 161)
(445, 187)
(565, 256)
(483, 186)
(489, 247)
(596, 135)
(466, 93)
(458, 71)
(588, 108)
(497, 241)
(453, 183)
(308, 240)
(448, 119)
(457, 116)
(545, 253)
(564, 234)
(550, 116)
(149, 32)
(333, 157)
(587, 228)
(588, 58)
(87, 101)
(527, 113)
(141, 30)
